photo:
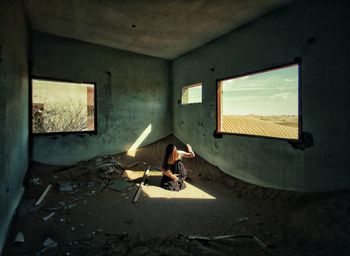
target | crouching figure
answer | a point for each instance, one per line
(174, 171)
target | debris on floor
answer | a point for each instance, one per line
(138, 191)
(46, 218)
(232, 238)
(109, 165)
(19, 239)
(66, 187)
(35, 181)
(48, 243)
(119, 185)
(41, 198)
(243, 219)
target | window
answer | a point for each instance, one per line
(191, 94)
(264, 103)
(62, 107)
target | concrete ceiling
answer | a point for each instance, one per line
(161, 28)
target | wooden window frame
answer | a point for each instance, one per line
(94, 132)
(188, 87)
(218, 133)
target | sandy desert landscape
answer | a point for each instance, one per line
(282, 126)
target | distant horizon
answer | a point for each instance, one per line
(258, 115)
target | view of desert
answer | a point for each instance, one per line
(281, 126)
(261, 104)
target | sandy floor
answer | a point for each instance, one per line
(106, 222)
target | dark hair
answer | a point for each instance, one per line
(169, 149)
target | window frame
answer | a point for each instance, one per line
(30, 117)
(219, 134)
(190, 86)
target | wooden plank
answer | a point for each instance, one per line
(43, 195)
(138, 192)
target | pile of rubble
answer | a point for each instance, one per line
(86, 178)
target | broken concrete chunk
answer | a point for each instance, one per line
(70, 206)
(243, 219)
(77, 198)
(51, 209)
(46, 218)
(19, 239)
(62, 203)
(92, 193)
(35, 181)
(66, 187)
(119, 185)
(48, 243)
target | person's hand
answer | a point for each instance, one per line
(189, 150)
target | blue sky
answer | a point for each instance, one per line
(269, 93)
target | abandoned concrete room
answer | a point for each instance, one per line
(204, 127)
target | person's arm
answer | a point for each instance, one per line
(189, 153)
(169, 174)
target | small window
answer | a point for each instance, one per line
(191, 94)
(264, 103)
(62, 107)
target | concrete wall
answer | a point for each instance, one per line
(13, 109)
(316, 31)
(133, 91)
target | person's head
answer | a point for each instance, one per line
(170, 149)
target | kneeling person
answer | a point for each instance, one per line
(174, 171)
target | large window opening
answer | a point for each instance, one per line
(62, 107)
(191, 94)
(264, 103)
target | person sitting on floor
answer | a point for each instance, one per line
(174, 171)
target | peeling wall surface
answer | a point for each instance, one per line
(133, 92)
(13, 109)
(317, 32)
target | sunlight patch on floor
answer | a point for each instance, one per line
(153, 190)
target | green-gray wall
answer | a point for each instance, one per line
(133, 91)
(13, 109)
(316, 31)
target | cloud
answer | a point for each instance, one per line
(243, 77)
(240, 89)
(242, 98)
(283, 95)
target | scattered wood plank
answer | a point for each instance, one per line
(138, 192)
(43, 195)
